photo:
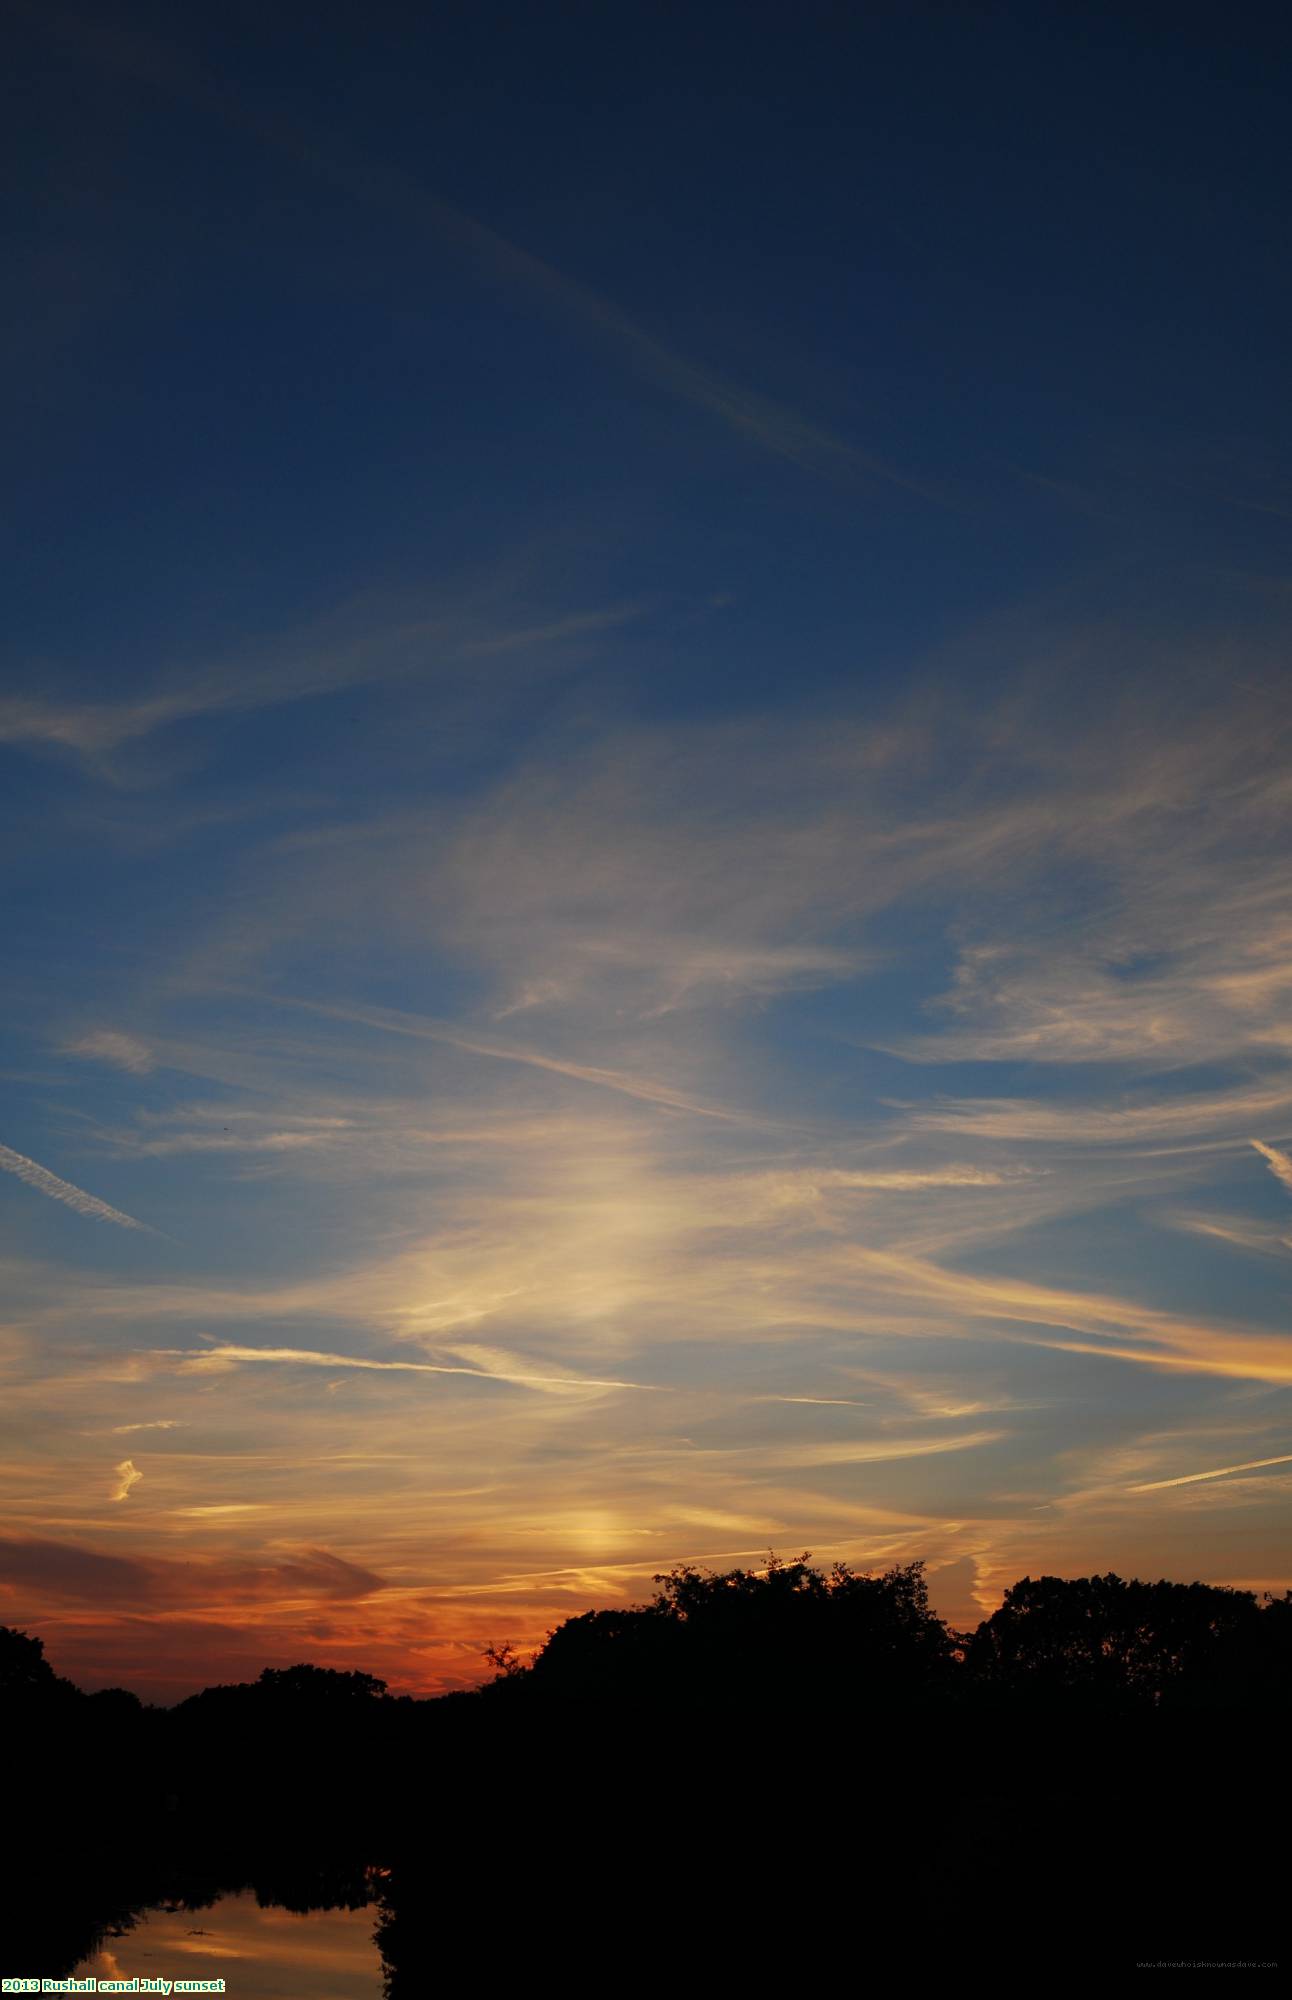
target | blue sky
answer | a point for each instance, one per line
(645, 747)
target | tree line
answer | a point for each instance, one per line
(1099, 1746)
(1094, 1643)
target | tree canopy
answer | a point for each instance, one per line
(1106, 1641)
(744, 1634)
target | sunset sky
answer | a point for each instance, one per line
(645, 762)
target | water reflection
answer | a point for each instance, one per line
(262, 1953)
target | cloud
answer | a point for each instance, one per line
(67, 1572)
(228, 1128)
(592, 1235)
(1183, 1117)
(691, 972)
(821, 1286)
(659, 872)
(900, 1180)
(1280, 1165)
(1164, 1340)
(226, 1142)
(59, 1570)
(1240, 1232)
(649, 1090)
(49, 1184)
(126, 1475)
(107, 1045)
(361, 644)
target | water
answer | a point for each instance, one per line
(261, 1954)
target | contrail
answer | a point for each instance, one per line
(1221, 1472)
(312, 1358)
(74, 1197)
(426, 1028)
(770, 426)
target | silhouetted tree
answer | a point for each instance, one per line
(749, 1635)
(25, 1673)
(116, 1707)
(724, 1722)
(313, 1685)
(1104, 1642)
(505, 1660)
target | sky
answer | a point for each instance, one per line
(645, 758)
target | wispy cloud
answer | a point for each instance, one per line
(64, 1570)
(124, 1477)
(226, 1142)
(362, 644)
(648, 1089)
(903, 1180)
(685, 1177)
(46, 1183)
(1183, 1116)
(1159, 1339)
(109, 1045)
(1240, 1232)
(1279, 1163)
(679, 1083)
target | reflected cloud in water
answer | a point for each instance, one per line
(325, 1954)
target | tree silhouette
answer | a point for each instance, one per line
(310, 1685)
(1106, 1642)
(26, 1675)
(721, 1724)
(749, 1635)
(24, 1670)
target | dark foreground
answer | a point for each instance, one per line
(759, 1777)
